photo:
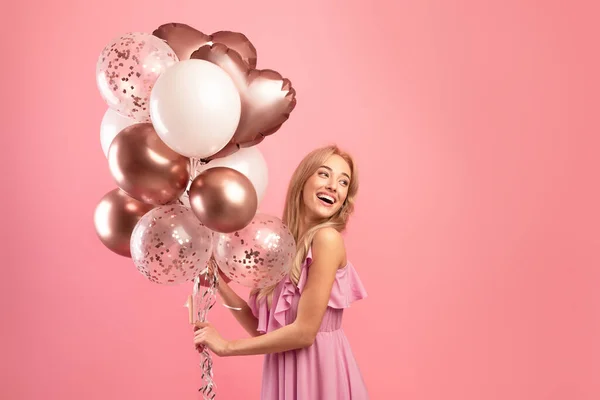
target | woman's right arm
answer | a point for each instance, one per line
(239, 308)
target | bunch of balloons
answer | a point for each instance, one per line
(186, 110)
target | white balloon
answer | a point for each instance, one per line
(112, 123)
(195, 108)
(250, 162)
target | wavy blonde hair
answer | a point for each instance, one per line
(292, 212)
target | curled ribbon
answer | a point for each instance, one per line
(203, 300)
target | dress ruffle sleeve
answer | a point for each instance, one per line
(347, 288)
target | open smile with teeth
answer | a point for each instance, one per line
(327, 199)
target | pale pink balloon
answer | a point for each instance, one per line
(257, 256)
(170, 246)
(127, 70)
(195, 108)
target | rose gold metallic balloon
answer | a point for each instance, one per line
(267, 98)
(114, 219)
(239, 43)
(223, 199)
(145, 167)
(184, 40)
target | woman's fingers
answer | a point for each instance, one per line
(199, 325)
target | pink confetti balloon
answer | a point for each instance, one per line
(127, 69)
(257, 256)
(170, 246)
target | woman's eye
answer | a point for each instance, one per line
(325, 174)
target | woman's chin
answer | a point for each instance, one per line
(321, 214)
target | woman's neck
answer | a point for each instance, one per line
(303, 227)
(305, 224)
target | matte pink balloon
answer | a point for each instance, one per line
(170, 246)
(259, 255)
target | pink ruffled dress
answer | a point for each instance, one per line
(326, 370)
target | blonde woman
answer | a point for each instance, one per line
(297, 323)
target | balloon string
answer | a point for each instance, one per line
(204, 303)
(194, 164)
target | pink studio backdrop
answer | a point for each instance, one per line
(477, 231)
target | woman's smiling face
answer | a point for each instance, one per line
(326, 190)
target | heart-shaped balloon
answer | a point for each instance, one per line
(267, 98)
(184, 40)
